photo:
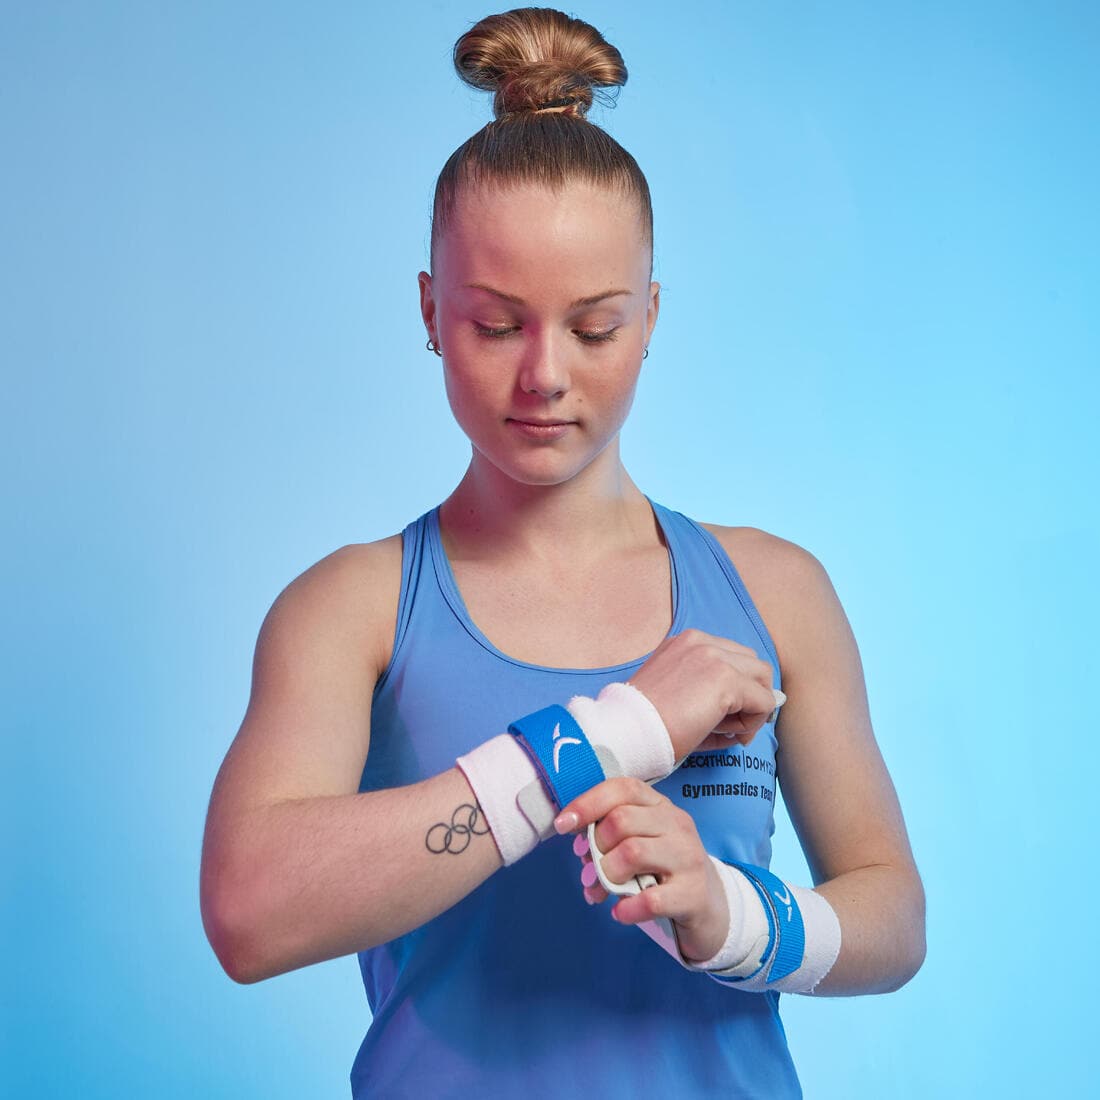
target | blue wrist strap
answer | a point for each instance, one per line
(786, 931)
(561, 753)
(790, 931)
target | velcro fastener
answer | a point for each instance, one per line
(781, 904)
(560, 751)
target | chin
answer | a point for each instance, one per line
(537, 464)
(543, 476)
(544, 469)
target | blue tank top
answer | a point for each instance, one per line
(522, 989)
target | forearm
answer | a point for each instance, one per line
(881, 914)
(319, 878)
(861, 932)
(302, 881)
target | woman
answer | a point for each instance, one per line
(372, 801)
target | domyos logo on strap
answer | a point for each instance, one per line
(560, 743)
(784, 899)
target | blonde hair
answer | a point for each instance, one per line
(544, 69)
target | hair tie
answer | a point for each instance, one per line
(555, 104)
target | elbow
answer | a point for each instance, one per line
(914, 939)
(226, 921)
(244, 971)
(239, 961)
(910, 964)
(918, 939)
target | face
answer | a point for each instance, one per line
(542, 306)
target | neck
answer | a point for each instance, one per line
(599, 511)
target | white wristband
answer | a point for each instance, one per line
(623, 720)
(498, 770)
(747, 943)
(621, 724)
(752, 951)
(747, 937)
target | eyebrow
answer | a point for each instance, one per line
(591, 300)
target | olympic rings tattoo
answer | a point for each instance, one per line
(455, 838)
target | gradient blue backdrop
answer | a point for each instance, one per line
(877, 235)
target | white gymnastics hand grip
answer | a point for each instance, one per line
(780, 699)
(661, 929)
(634, 885)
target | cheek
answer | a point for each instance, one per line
(616, 384)
(466, 389)
(457, 387)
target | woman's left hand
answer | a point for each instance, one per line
(641, 831)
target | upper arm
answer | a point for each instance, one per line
(306, 731)
(835, 784)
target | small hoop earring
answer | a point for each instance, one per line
(431, 345)
(645, 354)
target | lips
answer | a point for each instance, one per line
(539, 423)
(541, 429)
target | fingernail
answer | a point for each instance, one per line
(580, 845)
(566, 823)
(589, 875)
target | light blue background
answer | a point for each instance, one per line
(877, 234)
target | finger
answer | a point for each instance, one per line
(719, 641)
(660, 856)
(628, 819)
(726, 740)
(720, 741)
(746, 738)
(595, 895)
(599, 800)
(589, 877)
(742, 657)
(648, 905)
(755, 703)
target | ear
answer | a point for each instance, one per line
(427, 305)
(652, 309)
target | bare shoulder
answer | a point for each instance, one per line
(355, 589)
(761, 550)
(319, 653)
(786, 582)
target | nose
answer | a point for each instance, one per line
(543, 369)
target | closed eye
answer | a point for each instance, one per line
(485, 330)
(492, 333)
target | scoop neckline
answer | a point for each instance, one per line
(449, 585)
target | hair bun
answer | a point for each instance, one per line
(533, 58)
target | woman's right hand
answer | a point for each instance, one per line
(710, 691)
